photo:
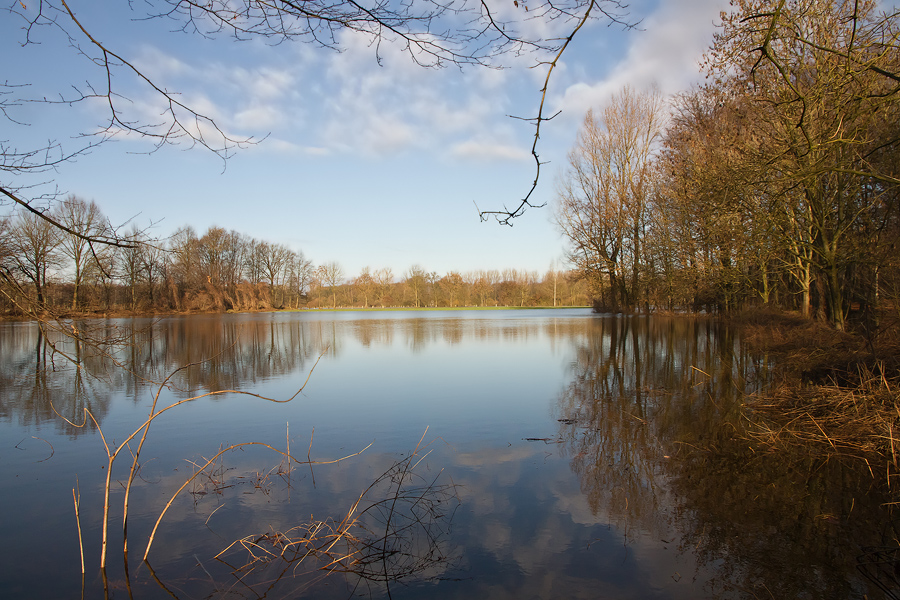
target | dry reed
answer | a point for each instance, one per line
(113, 451)
(76, 497)
(837, 393)
(394, 530)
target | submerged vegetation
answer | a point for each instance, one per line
(392, 532)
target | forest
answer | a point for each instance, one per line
(60, 270)
(775, 183)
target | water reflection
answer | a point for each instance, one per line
(226, 351)
(653, 423)
(637, 481)
(34, 379)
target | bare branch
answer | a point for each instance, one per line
(505, 216)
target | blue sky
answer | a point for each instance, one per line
(366, 165)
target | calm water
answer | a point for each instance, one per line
(504, 454)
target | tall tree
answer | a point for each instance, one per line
(603, 198)
(366, 285)
(83, 222)
(821, 79)
(302, 272)
(34, 242)
(385, 278)
(416, 278)
(706, 209)
(131, 265)
(452, 285)
(332, 275)
(275, 260)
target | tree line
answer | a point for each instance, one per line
(55, 265)
(774, 183)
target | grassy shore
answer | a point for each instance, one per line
(836, 394)
(422, 308)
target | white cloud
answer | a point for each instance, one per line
(475, 149)
(664, 52)
(367, 109)
(345, 102)
(261, 117)
(243, 101)
(158, 65)
(270, 83)
(277, 145)
(387, 134)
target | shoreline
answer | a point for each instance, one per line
(123, 314)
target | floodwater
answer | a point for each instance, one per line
(486, 454)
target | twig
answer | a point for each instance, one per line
(212, 460)
(77, 499)
(308, 459)
(212, 513)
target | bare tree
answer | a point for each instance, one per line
(603, 199)
(416, 280)
(385, 278)
(704, 213)
(332, 274)
(483, 284)
(153, 264)
(821, 81)
(87, 222)
(366, 285)
(131, 261)
(452, 284)
(275, 260)
(34, 242)
(302, 272)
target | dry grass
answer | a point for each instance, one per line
(803, 349)
(395, 530)
(864, 420)
(838, 394)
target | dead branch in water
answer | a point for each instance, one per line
(394, 531)
(112, 452)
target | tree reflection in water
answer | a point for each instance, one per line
(653, 424)
(650, 420)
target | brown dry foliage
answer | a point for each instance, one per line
(837, 393)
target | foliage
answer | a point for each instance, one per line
(774, 184)
(48, 274)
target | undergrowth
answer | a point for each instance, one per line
(835, 393)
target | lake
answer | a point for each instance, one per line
(485, 454)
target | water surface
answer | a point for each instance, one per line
(559, 454)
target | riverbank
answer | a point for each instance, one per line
(125, 314)
(836, 394)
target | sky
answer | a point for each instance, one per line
(366, 163)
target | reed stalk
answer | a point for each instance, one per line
(77, 499)
(213, 460)
(143, 430)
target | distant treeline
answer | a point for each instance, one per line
(62, 265)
